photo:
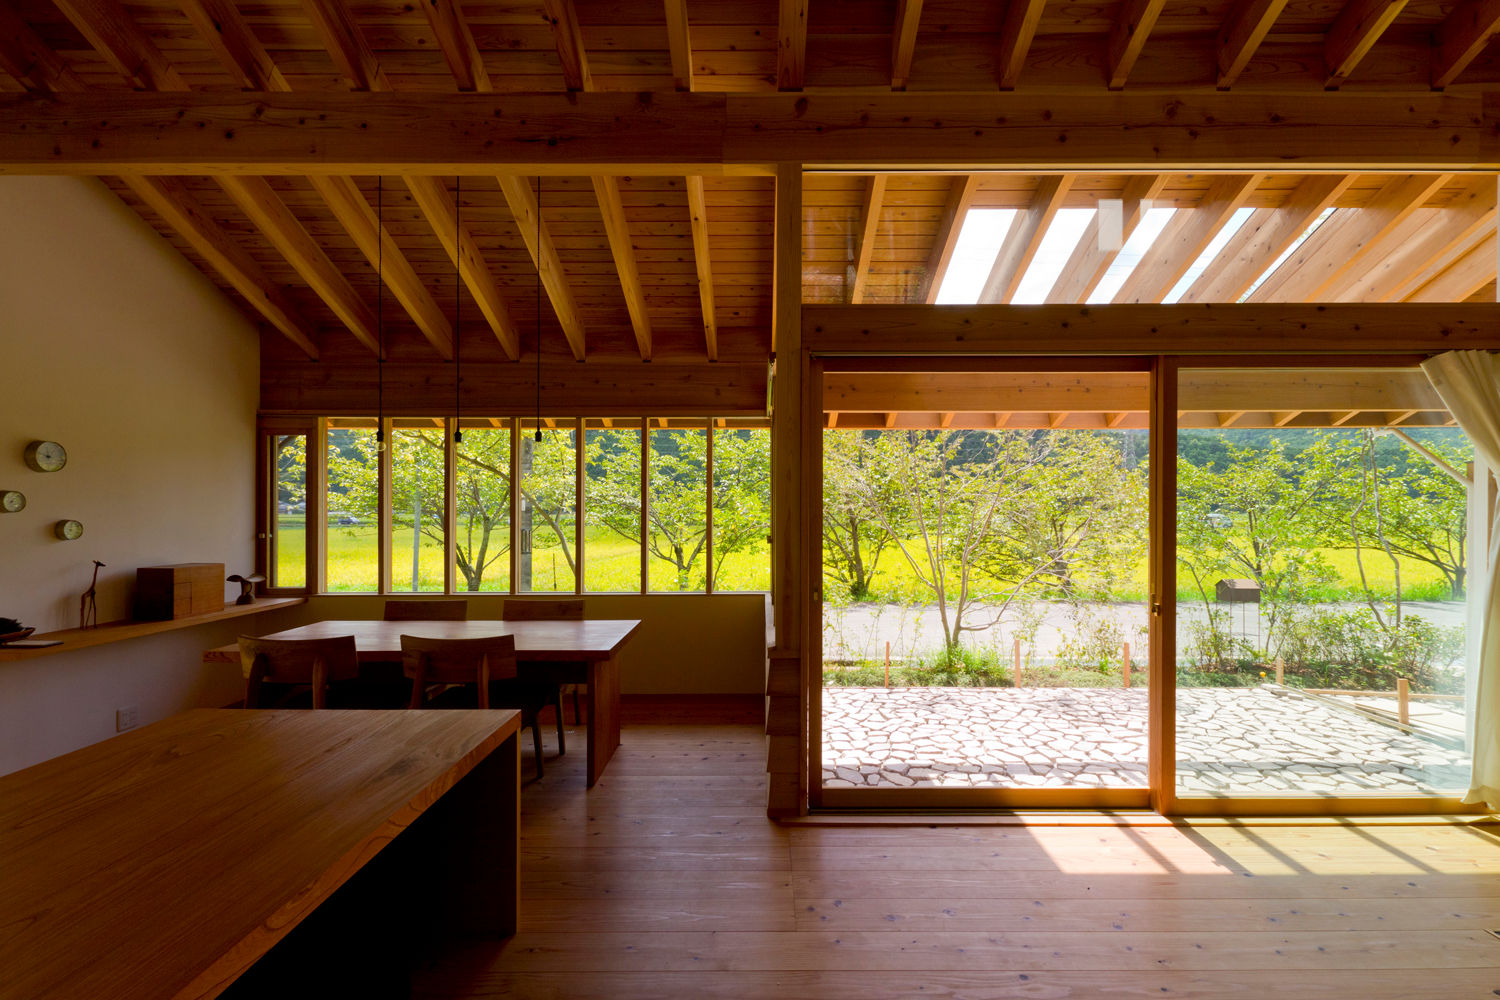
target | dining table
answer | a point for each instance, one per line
(562, 652)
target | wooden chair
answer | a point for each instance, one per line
(428, 611)
(486, 665)
(296, 663)
(561, 610)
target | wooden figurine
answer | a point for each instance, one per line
(88, 607)
(247, 586)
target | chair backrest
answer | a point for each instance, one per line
(427, 611)
(570, 610)
(296, 661)
(457, 661)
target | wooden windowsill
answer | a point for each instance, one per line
(82, 638)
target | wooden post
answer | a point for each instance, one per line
(1018, 662)
(888, 663)
(1403, 701)
(1125, 666)
(1280, 671)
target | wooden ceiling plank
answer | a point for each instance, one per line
(904, 41)
(1089, 263)
(617, 231)
(1133, 25)
(439, 209)
(25, 56)
(1461, 37)
(868, 226)
(265, 209)
(109, 28)
(704, 262)
(1355, 30)
(961, 194)
(169, 198)
(1025, 238)
(227, 33)
(1265, 237)
(679, 43)
(523, 208)
(354, 213)
(1246, 27)
(346, 43)
(1186, 236)
(791, 45)
(1465, 276)
(1017, 29)
(453, 36)
(563, 19)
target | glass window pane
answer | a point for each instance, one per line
(549, 484)
(481, 480)
(1321, 554)
(675, 509)
(417, 508)
(742, 508)
(612, 507)
(352, 504)
(289, 522)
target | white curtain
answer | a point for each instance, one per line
(1469, 383)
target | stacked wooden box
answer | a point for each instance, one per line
(164, 592)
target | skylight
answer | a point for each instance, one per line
(979, 241)
(1210, 252)
(1131, 253)
(1052, 256)
(1287, 252)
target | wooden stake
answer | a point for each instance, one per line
(1403, 701)
(888, 663)
(1018, 662)
(1125, 667)
(1280, 670)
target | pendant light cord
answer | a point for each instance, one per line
(379, 316)
(539, 260)
(458, 340)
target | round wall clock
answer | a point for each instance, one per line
(68, 529)
(45, 456)
(12, 501)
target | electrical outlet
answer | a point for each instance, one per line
(125, 718)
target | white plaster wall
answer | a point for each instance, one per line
(114, 345)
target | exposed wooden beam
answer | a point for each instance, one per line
(1025, 238)
(1186, 236)
(677, 134)
(1017, 29)
(435, 204)
(1115, 419)
(1359, 25)
(1271, 328)
(446, 19)
(704, 261)
(617, 231)
(869, 224)
(1089, 261)
(1463, 34)
(904, 41)
(346, 43)
(25, 56)
(791, 45)
(1284, 417)
(1227, 418)
(114, 34)
(575, 66)
(522, 202)
(945, 419)
(1133, 24)
(1246, 27)
(890, 418)
(679, 43)
(1343, 418)
(354, 213)
(226, 32)
(832, 418)
(1264, 238)
(1342, 242)
(1465, 276)
(961, 192)
(1462, 227)
(169, 198)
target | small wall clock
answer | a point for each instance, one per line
(68, 529)
(12, 501)
(45, 456)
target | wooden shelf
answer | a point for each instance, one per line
(82, 638)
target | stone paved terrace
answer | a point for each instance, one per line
(1231, 741)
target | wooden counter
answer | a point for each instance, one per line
(99, 635)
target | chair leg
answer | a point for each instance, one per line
(562, 741)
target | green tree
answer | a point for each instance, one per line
(853, 536)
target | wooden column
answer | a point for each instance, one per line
(450, 504)
(1161, 754)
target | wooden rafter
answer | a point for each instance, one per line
(869, 224)
(1089, 261)
(679, 43)
(265, 209)
(1186, 236)
(346, 43)
(1463, 34)
(961, 194)
(1359, 25)
(1025, 238)
(433, 201)
(1017, 29)
(904, 41)
(1461, 279)
(25, 56)
(522, 202)
(1132, 27)
(451, 30)
(239, 51)
(359, 220)
(564, 21)
(704, 262)
(169, 198)
(1264, 237)
(791, 44)
(1462, 226)
(1246, 27)
(123, 44)
(617, 231)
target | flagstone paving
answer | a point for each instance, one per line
(1231, 741)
